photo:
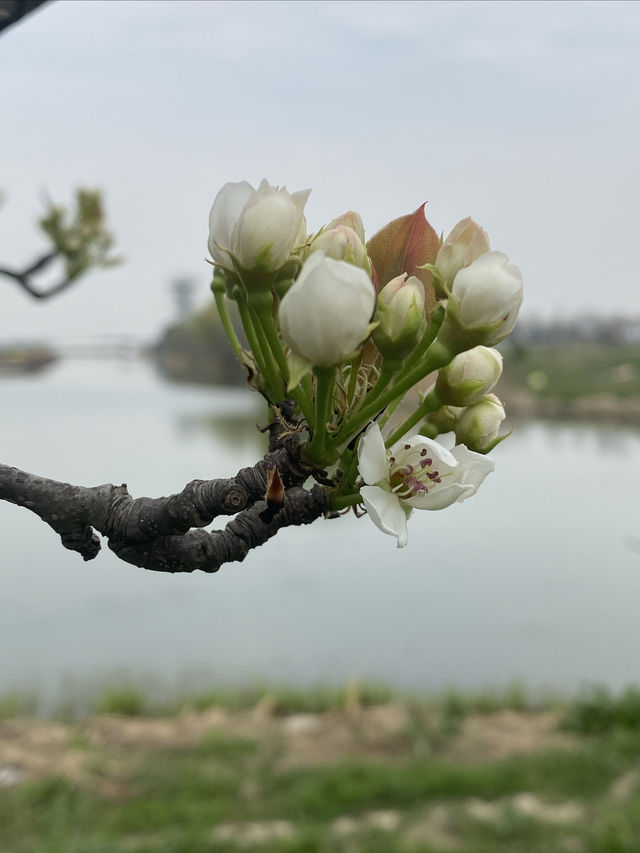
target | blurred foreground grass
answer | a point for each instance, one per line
(350, 770)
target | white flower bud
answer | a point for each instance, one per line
(260, 228)
(342, 244)
(489, 293)
(484, 303)
(477, 427)
(470, 376)
(466, 242)
(350, 219)
(326, 314)
(401, 317)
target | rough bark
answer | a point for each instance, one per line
(164, 534)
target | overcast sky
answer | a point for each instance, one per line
(523, 115)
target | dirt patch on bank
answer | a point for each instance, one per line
(97, 751)
(492, 737)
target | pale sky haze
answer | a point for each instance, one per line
(524, 115)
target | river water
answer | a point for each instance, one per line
(534, 580)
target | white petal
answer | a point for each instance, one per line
(412, 446)
(225, 212)
(299, 198)
(473, 468)
(386, 512)
(372, 456)
(488, 290)
(325, 314)
(270, 226)
(441, 496)
(269, 221)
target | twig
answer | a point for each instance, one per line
(24, 278)
(11, 11)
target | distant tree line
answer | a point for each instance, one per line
(615, 330)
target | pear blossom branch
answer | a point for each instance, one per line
(204, 551)
(164, 534)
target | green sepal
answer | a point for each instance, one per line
(439, 285)
(298, 368)
(219, 281)
(281, 286)
(484, 450)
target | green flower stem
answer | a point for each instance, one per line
(265, 319)
(353, 378)
(307, 387)
(388, 412)
(388, 371)
(349, 465)
(430, 403)
(263, 312)
(436, 356)
(430, 335)
(305, 404)
(270, 379)
(337, 502)
(325, 382)
(270, 362)
(227, 325)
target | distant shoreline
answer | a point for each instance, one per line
(521, 405)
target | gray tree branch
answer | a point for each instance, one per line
(162, 534)
(24, 277)
(12, 11)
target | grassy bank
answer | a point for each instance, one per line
(327, 770)
(591, 381)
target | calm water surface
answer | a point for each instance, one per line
(537, 579)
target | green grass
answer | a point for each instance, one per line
(168, 799)
(283, 700)
(178, 799)
(574, 370)
(14, 704)
(127, 700)
(124, 700)
(597, 711)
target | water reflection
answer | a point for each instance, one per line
(532, 580)
(235, 429)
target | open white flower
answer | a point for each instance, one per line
(416, 473)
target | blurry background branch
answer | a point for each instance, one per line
(79, 239)
(12, 11)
